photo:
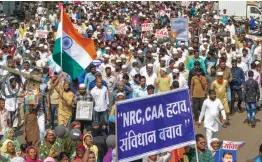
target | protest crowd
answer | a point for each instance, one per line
(137, 55)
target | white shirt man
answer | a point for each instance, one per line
(241, 64)
(257, 53)
(232, 29)
(211, 109)
(101, 99)
(181, 80)
(150, 76)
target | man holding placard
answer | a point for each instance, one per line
(81, 98)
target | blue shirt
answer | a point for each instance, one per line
(81, 78)
(258, 159)
(93, 84)
(191, 62)
(240, 78)
(88, 79)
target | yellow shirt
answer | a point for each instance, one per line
(22, 32)
(54, 95)
(113, 110)
(163, 83)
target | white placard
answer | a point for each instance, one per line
(84, 110)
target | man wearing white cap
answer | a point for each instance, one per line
(241, 64)
(124, 70)
(135, 69)
(141, 60)
(220, 85)
(183, 49)
(82, 95)
(105, 64)
(163, 81)
(149, 74)
(175, 75)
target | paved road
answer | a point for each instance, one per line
(237, 131)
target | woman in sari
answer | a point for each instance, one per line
(10, 135)
(8, 151)
(80, 150)
(88, 143)
(32, 155)
(50, 147)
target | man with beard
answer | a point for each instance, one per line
(149, 58)
(104, 65)
(175, 57)
(83, 95)
(220, 86)
(161, 65)
(198, 93)
(148, 72)
(175, 76)
(183, 71)
(135, 82)
(193, 72)
(142, 90)
(211, 109)
(192, 61)
(140, 59)
(90, 76)
(134, 69)
(211, 77)
(241, 64)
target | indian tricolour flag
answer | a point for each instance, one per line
(76, 52)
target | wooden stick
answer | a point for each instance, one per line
(27, 76)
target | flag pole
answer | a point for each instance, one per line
(61, 52)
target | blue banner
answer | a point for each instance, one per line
(179, 28)
(150, 125)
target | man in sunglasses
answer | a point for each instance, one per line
(204, 154)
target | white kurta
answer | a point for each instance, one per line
(210, 109)
(243, 66)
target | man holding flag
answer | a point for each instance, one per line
(77, 52)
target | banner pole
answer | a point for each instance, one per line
(61, 52)
(196, 152)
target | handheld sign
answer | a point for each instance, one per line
(121, 29)
(228, 151)
(147, 26)
(179, 28)
(41, 33)
(161, 33)
(150, 125)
